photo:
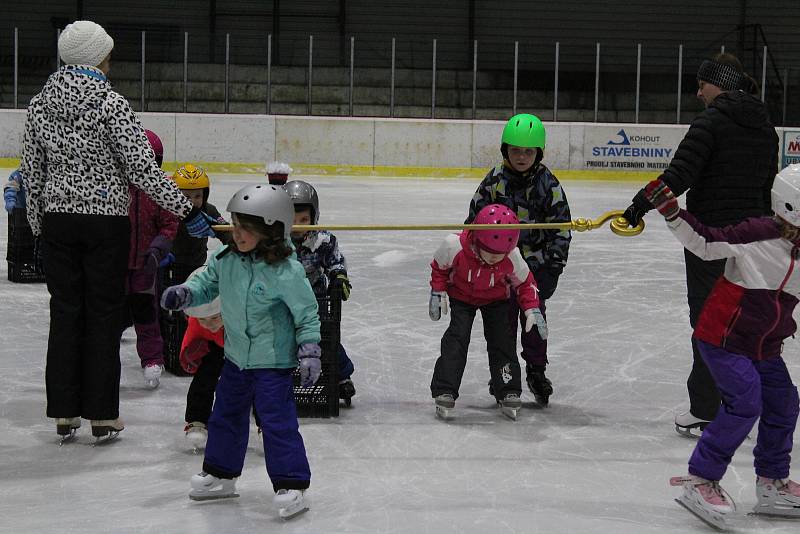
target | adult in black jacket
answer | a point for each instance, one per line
(726, 163)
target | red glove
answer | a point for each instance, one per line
(661, 197)
(192, 355)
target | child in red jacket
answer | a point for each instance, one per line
(477, 270)
(153, 230)
(202, 355)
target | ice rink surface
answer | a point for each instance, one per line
(597, 460)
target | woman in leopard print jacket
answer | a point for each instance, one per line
(83, 146)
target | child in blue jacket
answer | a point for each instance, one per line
(270, 316)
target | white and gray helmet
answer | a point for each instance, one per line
(303, 194)
(786, 195)
(269, 202)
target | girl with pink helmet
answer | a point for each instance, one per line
(476, 270)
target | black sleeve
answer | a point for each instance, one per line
(692, 155)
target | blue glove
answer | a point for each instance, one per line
(176, 297)
(168, 260)
(310, 365)
(197, 224)
(10, 198)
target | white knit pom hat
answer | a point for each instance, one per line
(84, 43)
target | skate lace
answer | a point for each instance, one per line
(788, 486)
(709, 490)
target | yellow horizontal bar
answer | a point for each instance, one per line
(618, 225)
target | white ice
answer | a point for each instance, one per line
(597, 460)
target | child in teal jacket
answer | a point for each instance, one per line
(270, 316)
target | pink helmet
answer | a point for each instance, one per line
(155, 143)
(500, 241)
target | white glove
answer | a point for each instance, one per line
(437, 305)
(534, 317)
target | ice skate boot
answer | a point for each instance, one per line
(290, 502)
(152, 375)
(66, 427)
(196, 435)
(690, 426)
(105, 430)
(538, 384)
(510, 405)
(704, 498)
(207, 487)
(346, 391)
(444, 403)
(777, 497)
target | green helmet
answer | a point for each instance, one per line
(524, 130)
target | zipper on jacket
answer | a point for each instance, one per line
(777, 320)
(729, 328)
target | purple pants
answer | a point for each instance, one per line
(750, 389)
(144, 312)
(534, 348)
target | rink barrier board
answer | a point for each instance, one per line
(411, 173)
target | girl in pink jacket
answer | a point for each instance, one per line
(476, 270)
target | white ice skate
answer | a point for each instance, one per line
(66, 427)
(291, 502)
(510, 405)
(705, 499)
(207, 487)
(105, 430)
(444, 403)
(778, 497)
(152, 375)
(196, 435)
(690, 426)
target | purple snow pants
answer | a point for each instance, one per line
(270, 391)
(750, 389)
(534, 348)
(144, 311)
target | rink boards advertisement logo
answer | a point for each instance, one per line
(791, 148)
(641, 149)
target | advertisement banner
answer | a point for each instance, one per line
(791, 148)
(637, 148)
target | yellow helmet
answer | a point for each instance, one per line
(191, 177)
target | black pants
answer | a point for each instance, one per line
(200, 398)
(501, 345)
(86, 261)
(704, 397)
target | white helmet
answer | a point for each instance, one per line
(269, 202)
(203, 310)
(786, 195)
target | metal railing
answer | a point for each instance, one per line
(782, 78)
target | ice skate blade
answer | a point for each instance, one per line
(66, 438)
(715, 521)
(106, 439)
(443, 413)
(213, 496)
(510, 413)
(542, 401)
(295, 509)
(687, 431)
(777, 510)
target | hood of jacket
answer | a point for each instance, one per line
(75, 89)
(742, 108)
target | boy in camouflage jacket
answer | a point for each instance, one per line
(325, 266)
(528, 187)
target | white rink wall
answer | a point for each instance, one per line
(379, 142)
